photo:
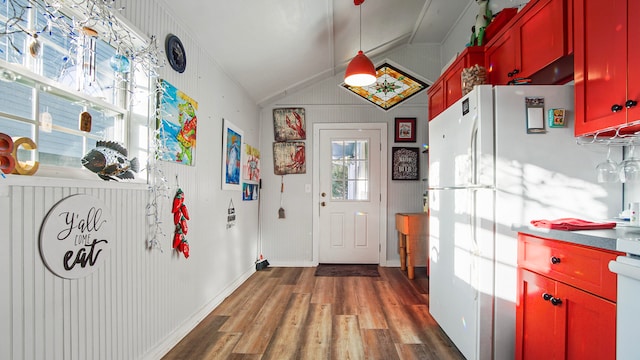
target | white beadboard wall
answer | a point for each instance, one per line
(141, 302)
(289, 241)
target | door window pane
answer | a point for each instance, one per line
(350, 170)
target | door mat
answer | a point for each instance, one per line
(335, 270)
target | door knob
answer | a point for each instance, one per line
(616, 107)
(630, 103)
(323, 203)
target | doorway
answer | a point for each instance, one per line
(350, 181)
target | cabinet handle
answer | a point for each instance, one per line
(556, 301)
(616, 108)
(513, 73)
(555, 260)
(630, 103)
(546, 296)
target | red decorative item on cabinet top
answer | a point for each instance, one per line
(498, 22)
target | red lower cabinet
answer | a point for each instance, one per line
(555, 317)
(558, 321)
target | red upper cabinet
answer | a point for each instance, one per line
(436, 98)
(543, 36)
(448, 88)
(537, 38)
(500, 58)
(606, 61)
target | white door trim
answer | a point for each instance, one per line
(383, 182)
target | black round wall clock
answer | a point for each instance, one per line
(175, 53)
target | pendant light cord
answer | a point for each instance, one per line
(360, 6)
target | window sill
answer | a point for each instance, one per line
(61, 177)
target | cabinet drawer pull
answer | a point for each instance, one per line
(630, 103)
(556, 301)
(616, 108)
(555, 260)
(546, 296)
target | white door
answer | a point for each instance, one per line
(349, 196)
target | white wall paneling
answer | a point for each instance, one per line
(289, 241)
(141, 302)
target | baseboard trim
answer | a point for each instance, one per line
(185, 328)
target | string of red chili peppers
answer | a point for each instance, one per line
(180, 217)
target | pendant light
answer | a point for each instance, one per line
(360, 71)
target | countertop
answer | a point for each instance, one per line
(603, 239)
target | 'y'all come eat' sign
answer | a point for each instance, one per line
(76, 236)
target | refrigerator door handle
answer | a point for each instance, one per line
(473, 187)
(473, 148)
(475, 249)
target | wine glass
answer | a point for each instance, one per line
(608, 170)
(630, 168)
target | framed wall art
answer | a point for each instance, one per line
(405, 130)
(177, 125)
(405, 163)
(289, 124)
(289, 158)
(231, 156)
(251, 164)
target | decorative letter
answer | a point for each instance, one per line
(7, 162)
(24, 167)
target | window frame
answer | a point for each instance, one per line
(124, 86)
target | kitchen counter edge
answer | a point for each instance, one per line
(602, 239)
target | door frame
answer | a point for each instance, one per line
(382, 127)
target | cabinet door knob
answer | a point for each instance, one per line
(323, 204)
(555, 260)
(514, 72)
(556, 301)
(616, 107)
(630, 103)
(546, 296)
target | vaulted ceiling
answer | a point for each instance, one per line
(271, 46)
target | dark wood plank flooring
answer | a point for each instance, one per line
(288, 313)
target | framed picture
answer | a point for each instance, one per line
(405, 130)
(251, 164)
(231, 156)
(177, 125)
(405, 163)
(289, 158)
(289, 124)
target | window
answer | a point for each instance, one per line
(350, 170)
(45, 88)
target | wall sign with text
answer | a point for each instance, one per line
(76, 236)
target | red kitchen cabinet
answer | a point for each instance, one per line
(566, 301)
(500, 57)
(537, 38)
(606, 73)
(558, 321)
(448, 88)
(436, 98)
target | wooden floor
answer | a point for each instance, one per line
(288, 313)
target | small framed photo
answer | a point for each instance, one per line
(231, 156)
(405, 163)
(405, 130)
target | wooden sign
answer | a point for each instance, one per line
(76, 236)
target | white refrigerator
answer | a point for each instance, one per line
(487, 174)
